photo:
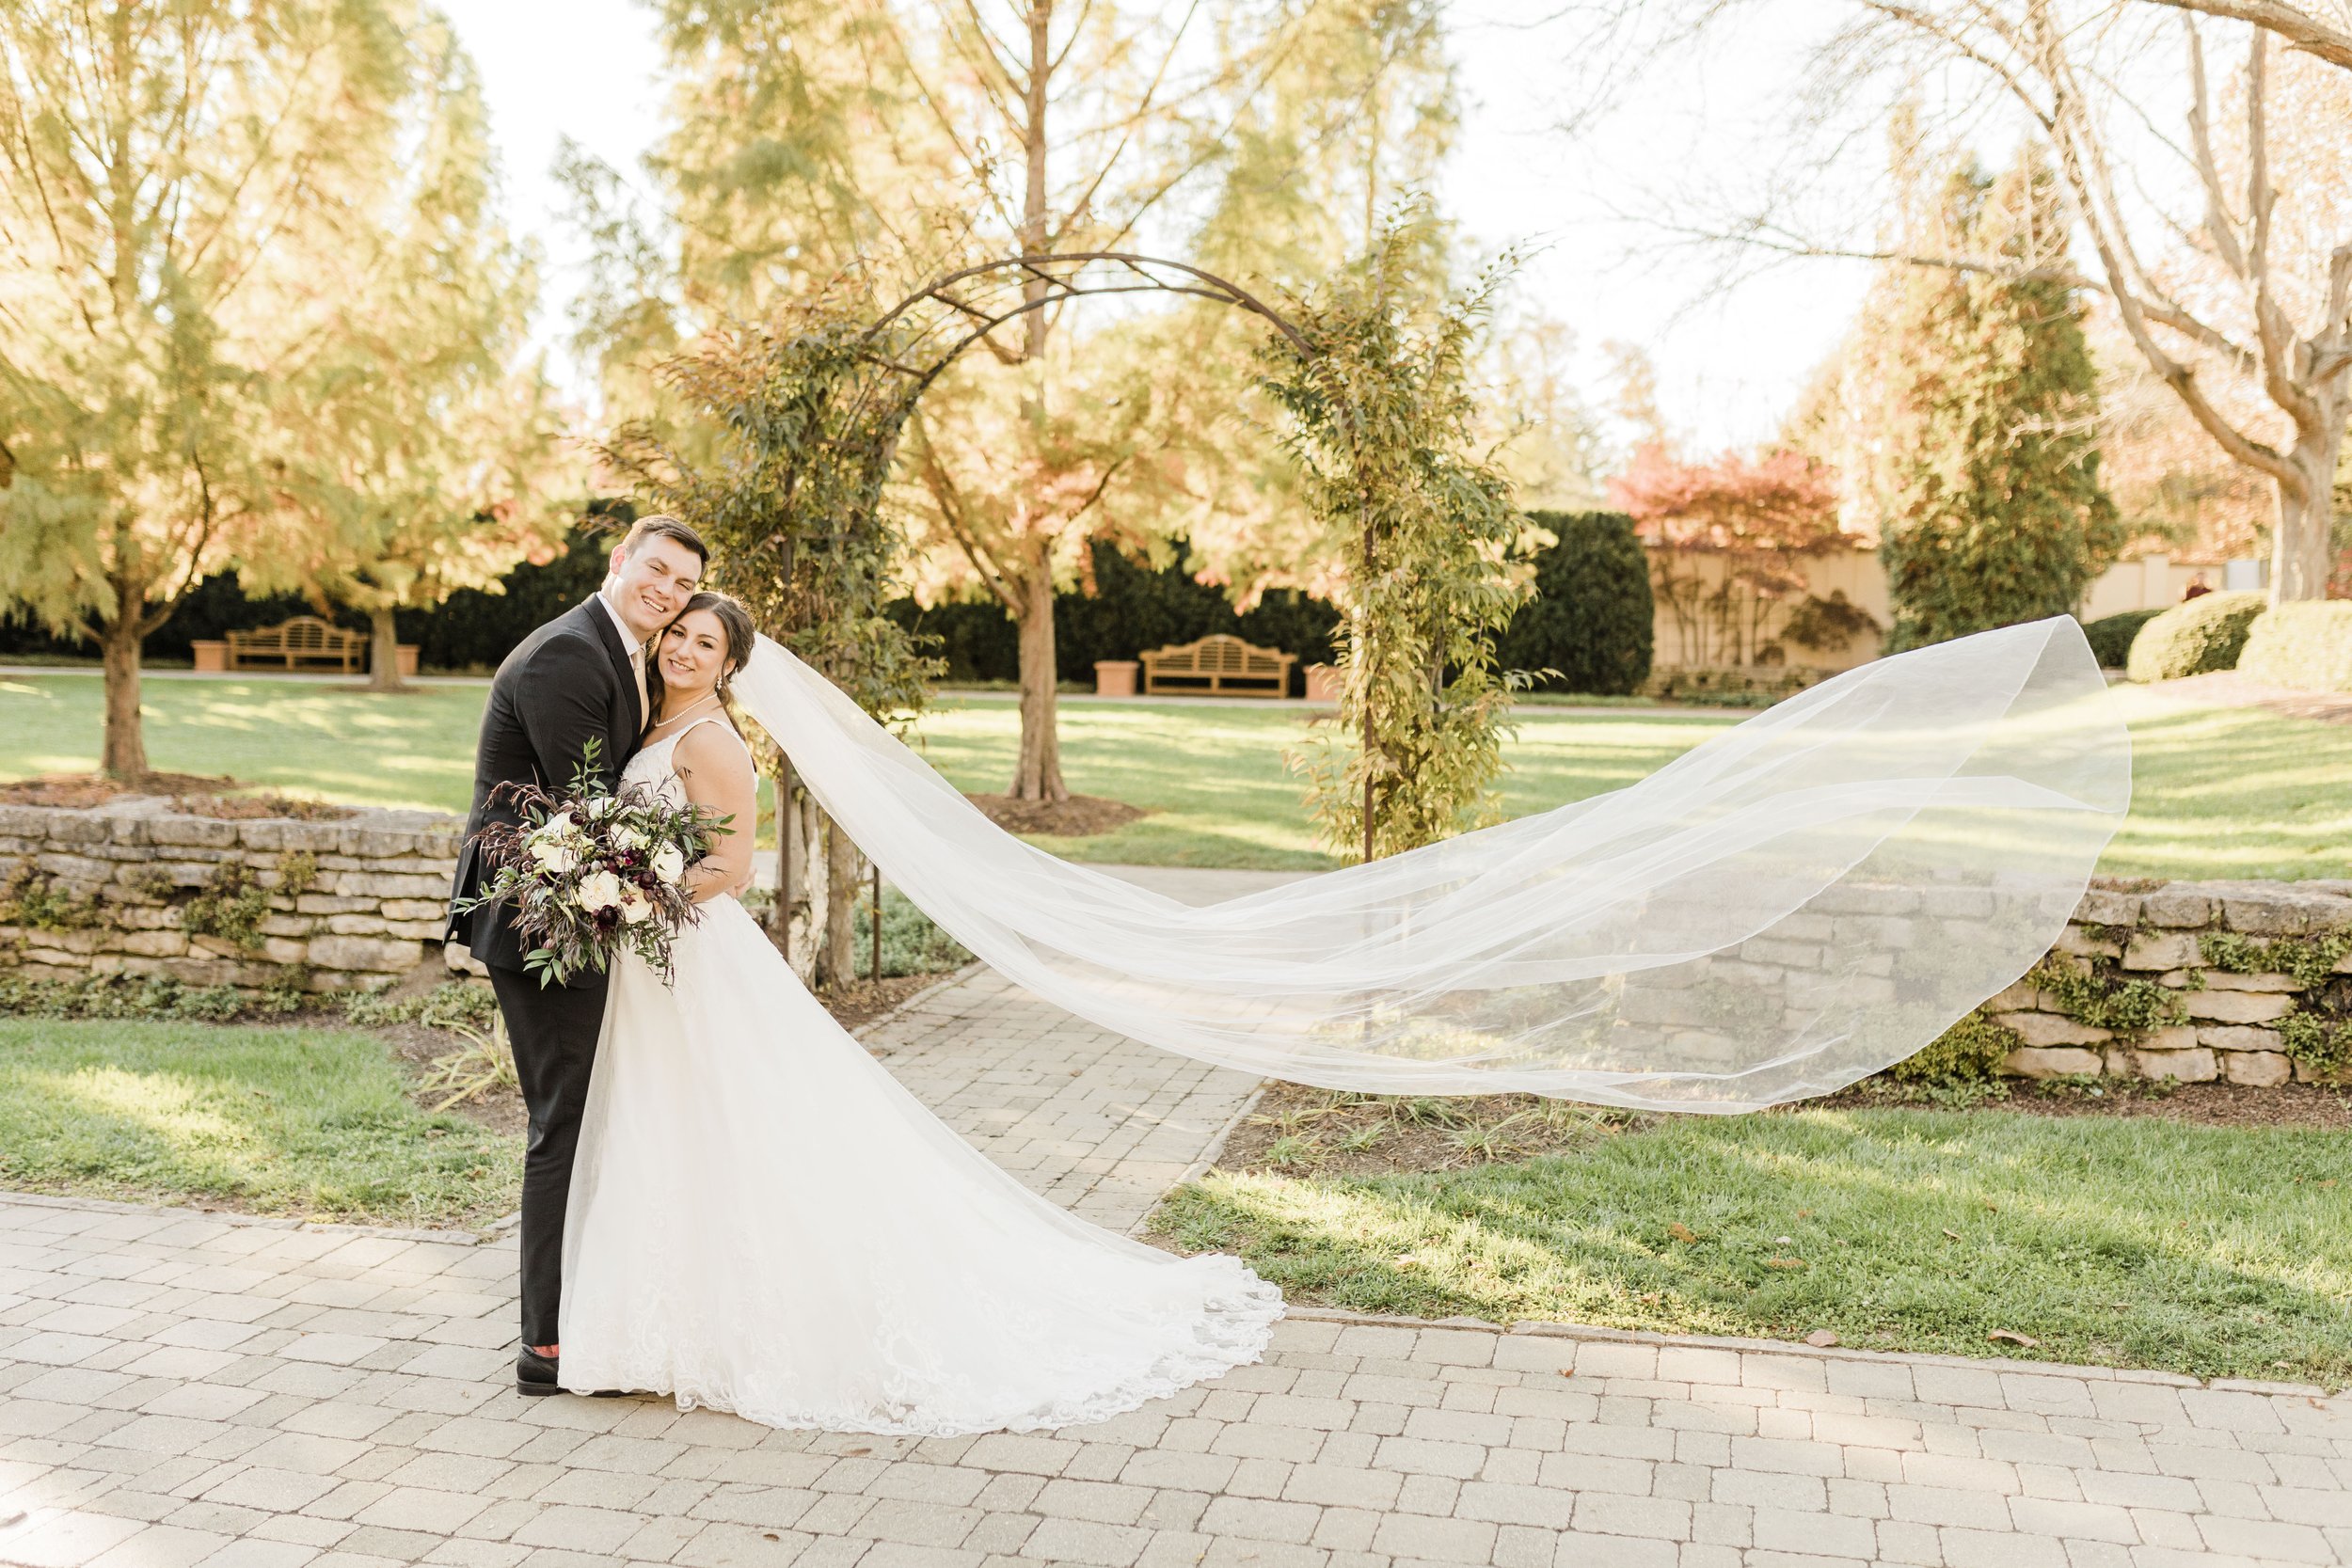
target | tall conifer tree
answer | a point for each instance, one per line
(1975, 401)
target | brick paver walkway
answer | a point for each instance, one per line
(1099, 1124)
(181, 1390)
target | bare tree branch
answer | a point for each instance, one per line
(2297, 28)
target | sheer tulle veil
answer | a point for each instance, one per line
(1793, 904)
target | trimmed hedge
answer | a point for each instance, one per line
(1133, 608)
(1591, 618)
(2111, 635)
(2306, 646)
(474, 630)
(1593, 625)
(2192, 639)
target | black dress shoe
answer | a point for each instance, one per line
(534, 1374)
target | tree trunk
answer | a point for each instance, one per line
(802, 908)
(119, 644)
(383, 653)
(2303, 553)
(789, 857)
(837, 965)
(1038, 776)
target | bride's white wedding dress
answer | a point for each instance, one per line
(763, 1221)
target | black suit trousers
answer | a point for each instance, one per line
(554, 1033)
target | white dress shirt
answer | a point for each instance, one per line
(636, 654)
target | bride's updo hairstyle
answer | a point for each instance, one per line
(734, 619)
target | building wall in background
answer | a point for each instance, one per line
(2149, 582)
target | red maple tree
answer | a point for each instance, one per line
(1761, 516)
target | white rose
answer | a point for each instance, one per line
(626, 837)
(669, 862)
(557, 826)
(599, 890)
(634, 908)
(556, 858)
(602, 807)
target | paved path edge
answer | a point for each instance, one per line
(1545, 1329)
(1208, 1156)
(1524, 1327)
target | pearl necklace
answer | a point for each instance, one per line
(684, 711)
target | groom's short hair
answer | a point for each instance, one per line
(660, 525)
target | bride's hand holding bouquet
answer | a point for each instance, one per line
(593, 872)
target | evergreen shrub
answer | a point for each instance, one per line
(2205, 634)
(1592, 615)
(1970, 1052)
(2306, 646)
(1133, 608)
(473, 630)
(2111, 635)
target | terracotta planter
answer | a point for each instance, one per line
(212, 657)
(1115, 677)
(1323, 683)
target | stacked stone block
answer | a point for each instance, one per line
(371, 913)
(376, 907)
(2153, 933)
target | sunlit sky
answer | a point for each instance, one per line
(1730, 360)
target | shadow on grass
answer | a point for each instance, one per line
(2200, 1250)
(293, 1121)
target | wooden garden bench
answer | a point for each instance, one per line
(1221, 664)
(302, 641)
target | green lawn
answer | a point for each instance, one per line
(415, 749)
(306, 1121)
(2221, 792)
(2132, 1242)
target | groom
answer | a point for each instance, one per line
(578, 678)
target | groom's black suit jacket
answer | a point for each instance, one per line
(568, 682)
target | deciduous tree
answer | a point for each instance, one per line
(420, 447)
(2213, 208)
(1760, 517)
(182, 190)
(903, 138)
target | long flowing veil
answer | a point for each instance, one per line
(1791, 905)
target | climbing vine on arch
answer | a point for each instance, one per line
(791, 428)
(788, 432)
(1377, 387)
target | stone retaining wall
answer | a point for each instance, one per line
(338, 906)
(2202, 953)
(2200, 970)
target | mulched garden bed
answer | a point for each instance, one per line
(1077, 818)
(249, 808)
(1294, 1126)
(81, 791)
(860, 1002)
(191, 794)
(2318, 1107)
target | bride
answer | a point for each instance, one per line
(763, 1221)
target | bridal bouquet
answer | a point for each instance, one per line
(593, 872)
